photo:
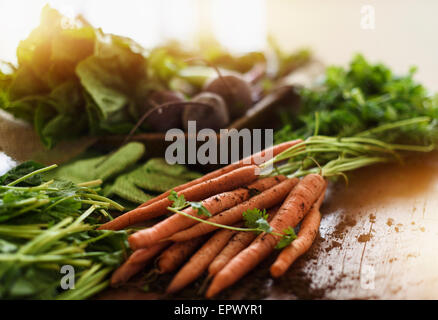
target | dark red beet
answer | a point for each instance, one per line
(168, 116)
(209, 112)
(236, 92)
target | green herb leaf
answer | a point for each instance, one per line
(257, 219)
(201, 210)
(178, 201)
(288, 236)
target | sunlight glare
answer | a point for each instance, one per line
(239, 25)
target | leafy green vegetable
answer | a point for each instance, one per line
(111, 76)
(74, 77)
(22, 170)
(34, 200)
(101, 86)
(122, 176)
(361, 97)
(31, 270)
(48, 224)
(160, 166)
(100, 167)
(162, 66)
(155, 176)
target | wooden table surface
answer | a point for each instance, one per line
(378, 240)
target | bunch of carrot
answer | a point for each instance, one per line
(209, 235)
(197, 243)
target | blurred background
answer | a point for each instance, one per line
(399, 33)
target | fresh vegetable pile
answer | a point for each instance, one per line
(74, 80)
(366, 115)
(46, 225)
(230, 220)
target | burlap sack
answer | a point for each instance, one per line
(19, 141)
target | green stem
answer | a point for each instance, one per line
(88, 287)
(394, 125)
(60, 201)
(83, 216)
(68, 250)
(38, 204)
(104, 199)
(20, 258)
(84, 276)
(98, 203)
(22, 202)
(24, 232)
(413, 148)
(218, 225)
(355, 152)
(93, 183)
(104, 235)
(106, 214)
(13, 183)
(51, 235)
(40, 187)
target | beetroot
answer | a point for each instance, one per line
(208, 110)
(236, 92)
(167, 116)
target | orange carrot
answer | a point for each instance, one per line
(296, 205)
(226, 182)
(240, 241)
(177, 254)
(135, 263)
(266, 199)
(214, 204)
(299, 202)
(306, 236)
(250, 160)
(199, 262)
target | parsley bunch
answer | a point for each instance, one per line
(363, 96)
